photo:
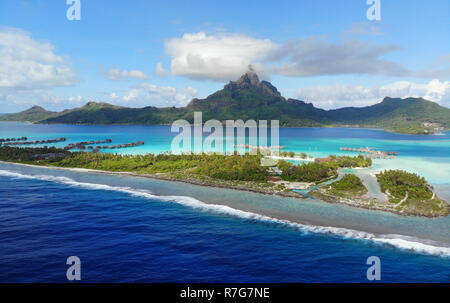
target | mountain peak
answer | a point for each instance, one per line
(99, 105)
(37, 107)
(92, 103)
(250, 80)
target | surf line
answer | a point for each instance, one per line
(194, 203)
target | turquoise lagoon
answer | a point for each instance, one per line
(428, 156)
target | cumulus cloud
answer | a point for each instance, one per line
(113, 96)
(160, 96)
(75, 99)
(225, 56)
(132, 95)
(118, 74)
(218, 57)
(317, 56)
(160, 70)
(24, 99)
(29, 70)
(336, 96)
(26, 63)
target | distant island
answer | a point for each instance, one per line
(249, 98)
(407, 193)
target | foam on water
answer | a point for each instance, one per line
(399, 241)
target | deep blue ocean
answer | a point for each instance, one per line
(129, 229)
(123, 238)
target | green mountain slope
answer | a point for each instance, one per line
(249, 98)
(33, 114)
(409, 115)
(104, 113)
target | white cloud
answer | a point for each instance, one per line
(224, 56)
(336, 96)
(113, 96)
(317, 56)
(160, 70)
(26, 63)
(117, 74)
(219, 57)
(75, 99)
(146, 94)
(162, 96)
(23, 99)
(132, 95)
(29, 70)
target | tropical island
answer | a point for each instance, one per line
(249, 98)
(408, 193)
(350, 186)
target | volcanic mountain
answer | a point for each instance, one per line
(249, 98)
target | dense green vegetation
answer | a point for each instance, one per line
(222, 167)
(319, 172)
(249, 98)
(308, 172)
(411, 193)
(399, 182)
(234, 167)
(25, 155)
(246, 168)
(349, 182)
(349, 186)
(347, 161)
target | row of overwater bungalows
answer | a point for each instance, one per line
(34, 142)
(378, 154)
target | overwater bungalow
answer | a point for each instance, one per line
(13, 139)
(18, 142)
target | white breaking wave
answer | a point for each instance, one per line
(399, 241)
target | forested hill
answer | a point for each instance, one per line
(35, 113)
(250, 98)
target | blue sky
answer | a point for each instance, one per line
(324, 52)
